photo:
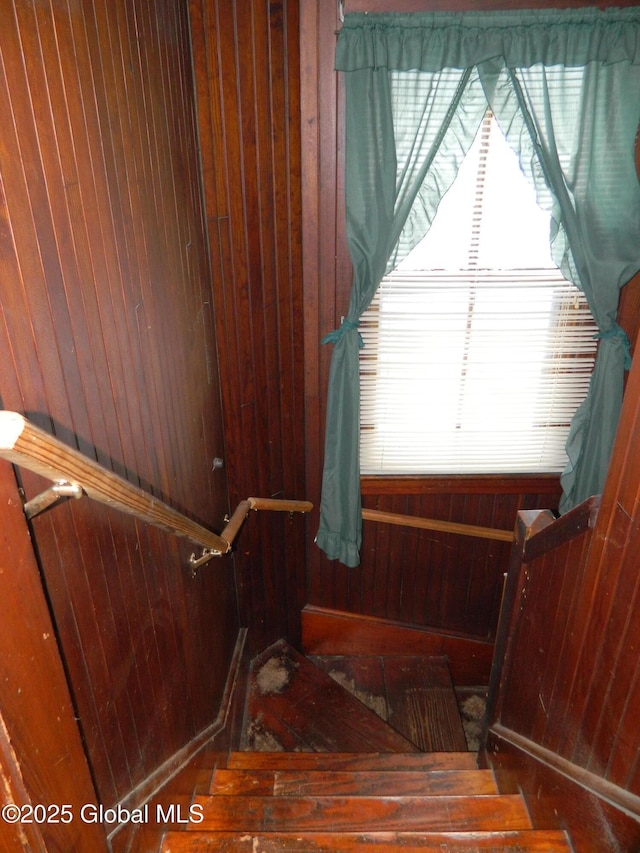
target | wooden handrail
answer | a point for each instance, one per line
(26, 445)
(434, 524)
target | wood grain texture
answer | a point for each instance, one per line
(283, 783)
(413, 694)
(352, 761)
(246, 59)
(293, 705)
(532, 841)
(565, 720)
(330, 632)
(362, 814)
(108, 342)
(41, 755)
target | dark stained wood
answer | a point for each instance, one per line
(462, 484)
(564, 727)
(362, 814)
(423, 704)
(328, 632)
(593, 822)
(364, 676)
(190, 771)
(246, 59)
(413, 694)
(286, 693)
(320, 783)
(42, 760)
(385, 761)
(108, 342)
(532, 841)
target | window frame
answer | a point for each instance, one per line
(327, 268)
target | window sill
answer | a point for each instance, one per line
(505, 484)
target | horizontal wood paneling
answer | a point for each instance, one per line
(108, 341)
(246, 55)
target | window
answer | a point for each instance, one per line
(477, 351)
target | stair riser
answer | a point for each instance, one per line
(534, 841)
(425, 762)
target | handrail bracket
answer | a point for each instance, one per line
(73, 475)
(50, 497)
(207, 554)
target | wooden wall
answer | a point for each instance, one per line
(566, 725)
(107, 339)
(425, 578)
(246, 57)
(421, 577)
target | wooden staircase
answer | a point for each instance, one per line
(344, 779)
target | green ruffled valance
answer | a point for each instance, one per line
(436, 40)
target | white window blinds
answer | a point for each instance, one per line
(477, 351)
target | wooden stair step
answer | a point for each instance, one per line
(295, 705)
(317, 783)
(362, 814)
(523, 841)
(424, 761)
(413, 694)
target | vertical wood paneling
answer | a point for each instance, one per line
(429, 578)
(572, 674)
(40, 747)
(247, 76)
(108, 340)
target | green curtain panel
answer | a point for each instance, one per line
(565, 88)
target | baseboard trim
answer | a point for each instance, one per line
(163, 775)
(336, 632)
(596, 813)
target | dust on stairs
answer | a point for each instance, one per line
(332, 775)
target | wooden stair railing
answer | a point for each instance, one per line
(75, 475)
(381, 517)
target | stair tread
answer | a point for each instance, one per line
(524, 841)
(294, 705)
(359, 783)
(413, 694)
(352, 761)
(362, 814)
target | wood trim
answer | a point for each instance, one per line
(574, 523)
(516, 484)
(334, 632)
(614, 794)
(166, 771)
(527, 523)
(558, 793)
(434, 524)
(169, 782)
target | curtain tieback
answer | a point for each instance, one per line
(617, 331)
(337, 334)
